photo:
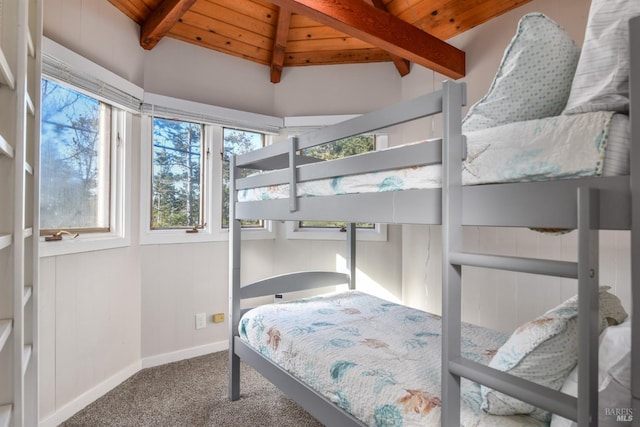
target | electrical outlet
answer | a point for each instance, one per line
(218, 318)
(201, 320)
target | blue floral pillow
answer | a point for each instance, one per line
(544, 351)
(534, 77)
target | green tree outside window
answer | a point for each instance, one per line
(177, 174)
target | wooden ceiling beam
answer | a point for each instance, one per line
(280, 44)
(383, 30)
(402, 65)
(161, 20)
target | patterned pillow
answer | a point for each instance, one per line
(533, 79)
(601, 82)
(611, 308)
(544, 351)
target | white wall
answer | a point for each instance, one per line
(182, 70)
(89, 322)
(342, 89)
(87, 27)
(103, 312)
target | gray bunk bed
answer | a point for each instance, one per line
(588, 205)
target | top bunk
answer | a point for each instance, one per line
(284, 187)
(507, 204)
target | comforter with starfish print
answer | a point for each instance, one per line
(378, 360)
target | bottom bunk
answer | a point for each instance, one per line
(353, 359)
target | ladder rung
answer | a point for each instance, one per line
(538, 395)
(523, 265)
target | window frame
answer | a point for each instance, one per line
(266, 140)
(204, 154)
(212, 194)
(293, 231)
(118, 234)
(110, 155)
(71, 67)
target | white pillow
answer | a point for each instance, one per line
(533, 79)
(601, 82)
(544, 351)
(614, 378)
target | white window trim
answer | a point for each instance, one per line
(120, 215)
(85, 72)
(182, 109)
(293, 231)
(212, 196)
(122, 125)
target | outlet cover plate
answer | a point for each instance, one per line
(201, 320)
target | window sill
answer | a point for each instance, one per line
(170, 237)
(378, 234)
(84, 243)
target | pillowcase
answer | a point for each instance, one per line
(544, 351)
(601, 81)
(614, 377)
(533, 79)
(611, 308)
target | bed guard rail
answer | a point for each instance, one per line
(283, 158)
(290, 282)
(422, 106)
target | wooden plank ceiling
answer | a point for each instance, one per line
(288, 33)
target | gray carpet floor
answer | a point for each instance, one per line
(192, 393)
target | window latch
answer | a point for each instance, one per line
(196, 228)
(57, 236)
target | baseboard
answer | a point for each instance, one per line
(80, 402)
(188, 353)
(71, 408)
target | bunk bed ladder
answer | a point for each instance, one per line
(454, 366)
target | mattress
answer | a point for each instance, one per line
(377, 360)
(561, 147)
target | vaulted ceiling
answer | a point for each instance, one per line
(288, 33)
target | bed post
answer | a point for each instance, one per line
(234, 283)
(351, 254)
(634, 115)
(293, 174)
(588, 308)
(452, 151)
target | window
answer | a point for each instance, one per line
(86, 125)
(184, 198)
(177, 180)
(335, 150)
(331, 230)
(75, 161)
(237, 141)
